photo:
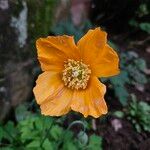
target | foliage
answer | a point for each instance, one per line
(132, 73)
(119, 114)
(141, 20)
(144, 26)
(118, 83)
(134, 66)
(137, 113)
(95, 142)
(34, 131)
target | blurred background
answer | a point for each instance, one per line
(126, 126)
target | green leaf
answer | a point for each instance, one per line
(25, 134)
(145, 27)
(70, 146)
(21, 112)
(47, 145)
(6, 131)
(141, 64)
(121, 79)
(118, 83)
(56, 132)
(68, 135)
(145, 107)
(122, 94)
(47, 121)
(119, 114)
(95, 142)
(69, 142)
(133, 22)
(33, 144)
(39, 124)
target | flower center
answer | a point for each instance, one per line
(76, 74)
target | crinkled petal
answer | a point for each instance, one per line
(91, 100)
(91, 44)
(106, 64)
(47, 86)
(54, 50)
(58, 105)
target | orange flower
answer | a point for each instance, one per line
(69, 81)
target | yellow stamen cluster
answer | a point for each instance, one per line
(76, 74)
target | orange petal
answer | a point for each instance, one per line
(59, 105)
(54, 50)
(65, 44)
(91, 100)
(48, 85)
(107, 64)
(91, 44)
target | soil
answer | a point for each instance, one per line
(125, 138)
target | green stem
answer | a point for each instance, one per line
(46, 135)
(77, 122)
